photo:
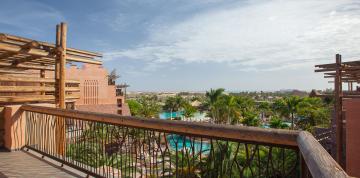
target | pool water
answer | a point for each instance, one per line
(198, 116)
(178, 142)
(168, 115)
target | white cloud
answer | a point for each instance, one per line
(262, 35)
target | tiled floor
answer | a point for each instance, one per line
(27, 164)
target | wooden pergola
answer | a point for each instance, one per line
(34, 71)
(341, 73)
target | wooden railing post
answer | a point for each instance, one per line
(338, 110)
(60, 69)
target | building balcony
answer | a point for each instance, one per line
(71, 143)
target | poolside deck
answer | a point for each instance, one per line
(29, 164)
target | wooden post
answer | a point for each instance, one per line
(57, 66)
(62, 65)
(338, 110)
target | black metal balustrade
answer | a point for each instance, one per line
(104, 145)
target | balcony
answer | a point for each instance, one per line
(105, 145)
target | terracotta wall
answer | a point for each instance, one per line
(88, 73)
(14, 126)
(95, 93)
(352, 116)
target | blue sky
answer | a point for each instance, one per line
(194, 45)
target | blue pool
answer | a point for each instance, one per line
(198, 116)
(168, 115)
(180, 142)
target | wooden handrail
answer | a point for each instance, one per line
(317, 159)
(285, 138)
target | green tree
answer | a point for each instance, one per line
(189, 110)
(277, 123)
(230, 109)
(150, 107)
(212, 97)
(134, 107)
(250, 119)
(288, 107)
(264, 108)
(313, 112)
(174, 104)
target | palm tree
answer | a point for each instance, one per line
(277, 123)
(264, 108)
(250, 119)
(212, 97)
(231, 109)
(313, 112)
(150, 107)
(189, 110)
(174, 104)
(288, 107)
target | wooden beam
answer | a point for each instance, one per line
(2, 71)
(17, 89)
(25, 59)
(25, 89)
(42, 53)
(7, 54)
(25, 40)
(32, 98)
(4, 78)
(324, 70)
(26, 66)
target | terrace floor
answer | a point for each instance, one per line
(30, 164)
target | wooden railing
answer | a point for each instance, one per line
(109, 145)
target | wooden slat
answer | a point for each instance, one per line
(24, 40)
(24, 89)
(32, 79)
(4, 71)
(32, 98)
(17, 89)
(42, 53)
(26, 66)
(72, 89)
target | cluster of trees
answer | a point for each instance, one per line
(145, 106)
(150, 107)
(287, 112)
(303, 112)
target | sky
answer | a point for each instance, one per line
(195, 45)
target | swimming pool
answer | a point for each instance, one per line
(198, 116)
(178, 142)
(168, 115)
